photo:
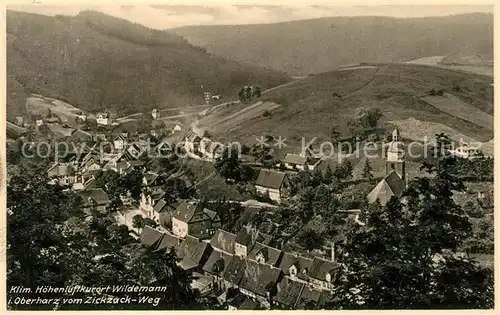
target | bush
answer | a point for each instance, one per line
(266, 114)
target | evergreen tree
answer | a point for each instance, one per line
(367, 171)
(407, 253)
(328, 176)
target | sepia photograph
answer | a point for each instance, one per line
(248, 157)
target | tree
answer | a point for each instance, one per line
(110, 181)
(328, 176)
(405, 256)
(138, 222)
(35, 209)
(230, 167)
(311, 239)
(66, 249)
(367, 171)
(344, 170)
(256, 91)
(131, 182)
(368, 118)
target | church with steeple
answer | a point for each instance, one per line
(394, 183)
(395, 155)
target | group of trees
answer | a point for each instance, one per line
(229, 166)
(407, 255)
(69, 248)
(248, 93)
(480, 168)
(434, 92)
(117, 185)
(366, 119)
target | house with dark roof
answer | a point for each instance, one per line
(191, 218)
(150, 237)
(163, 210)
(223, 241)
(169, 242)
(390, 186)
(271, 183)
(62, 173)
(259, 281)
(311, 298)
(193, 253)
(288, 292)
(202, 283)
(242, 302)
(155, 239)
(264, 254)
(233, 272)
(296, 267)
(323, 273)
(217, 263)
(149, 179)
(90, 164)
(295, 162)
(246, 238)
(94, 199)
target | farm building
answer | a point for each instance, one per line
(272, 183)
(295, 162)
(103, 119)
(192, 218)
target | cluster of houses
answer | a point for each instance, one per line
(243, 269)
(203, 146)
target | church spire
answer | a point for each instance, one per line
(395, 157)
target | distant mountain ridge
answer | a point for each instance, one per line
(319, 45)
(95, 62)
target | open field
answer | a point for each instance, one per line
(220, 123)
(454, 106)
(427, 61)
(44, 106)
(470, 64)
(310, 107)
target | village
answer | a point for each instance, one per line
(244, 268)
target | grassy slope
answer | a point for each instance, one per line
(312, 46)
(94, 61)
(309, 108)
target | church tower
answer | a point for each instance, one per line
(395, 158)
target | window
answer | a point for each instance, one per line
(328, 277)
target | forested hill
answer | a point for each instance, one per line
(95, 61)
(319, 45)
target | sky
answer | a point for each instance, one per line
(171, 16)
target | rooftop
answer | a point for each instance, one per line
(270, 179)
